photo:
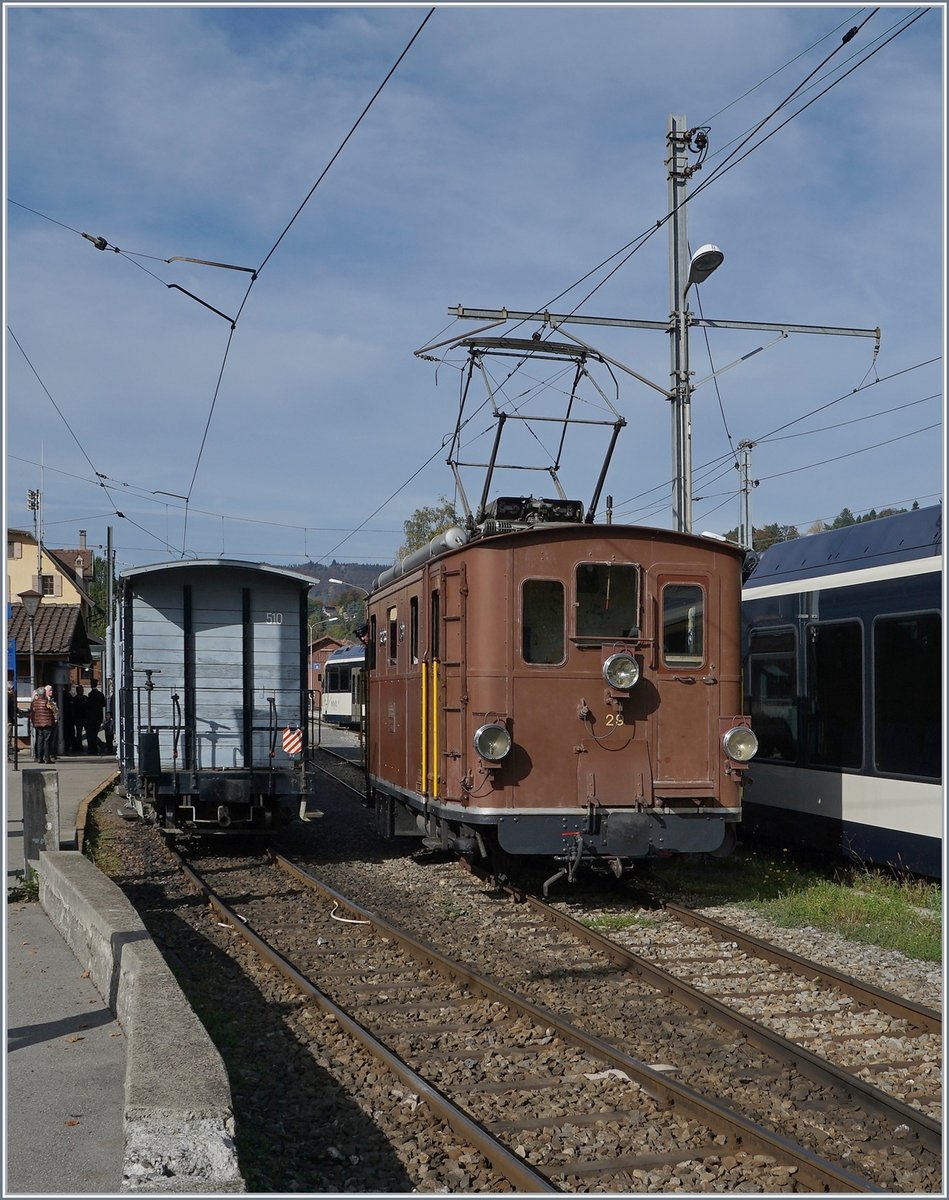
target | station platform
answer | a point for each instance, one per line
(66, 1051)
(98, 1102)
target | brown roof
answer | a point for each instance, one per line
(68, 557)
(58, 632)
(324, 642)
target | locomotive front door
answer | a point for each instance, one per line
(687, 725)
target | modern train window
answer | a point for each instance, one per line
(835, 694)
(907, 666)
(392, 641)
(772, 680)
(683, 624)
(607, 600)
(542, 621)
(337, 679)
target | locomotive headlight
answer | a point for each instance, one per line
(621, 671)
(492, 742)
(740, 743)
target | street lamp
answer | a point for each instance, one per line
(684, 270)
(309, 634)
(31, 601)
(704, 261)
(354, 586)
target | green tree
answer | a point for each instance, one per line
(844, 518)
(98, 589)
(767, 535)
(342, 623)
(426, 522)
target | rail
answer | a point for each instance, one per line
(811, 1065)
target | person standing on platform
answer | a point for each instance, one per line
(75, 732)
(95, 710)
(53, 737)
(69, 694)
(43, 714)
(13, 714)
(108, 727)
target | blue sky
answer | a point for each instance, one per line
(514, 150)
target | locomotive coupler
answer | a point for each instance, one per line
(572, 860)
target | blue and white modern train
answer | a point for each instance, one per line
(344, 687)
(843, 657)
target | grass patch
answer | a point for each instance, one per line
(867, 906)
(614, 922)
(26, 890)
(98, 845)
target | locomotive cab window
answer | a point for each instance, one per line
(542, 621)
(683, 624)
(607, 600)
(392, 642)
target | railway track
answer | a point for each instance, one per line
(893, 1045)
(553, 1107)
(334, 1119)
(878, 1050)
(632, 1027)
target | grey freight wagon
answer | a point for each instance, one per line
(213, 700)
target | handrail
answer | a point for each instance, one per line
(424, 666)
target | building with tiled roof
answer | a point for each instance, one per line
(62, 576)
(63, 651)
(59, 635)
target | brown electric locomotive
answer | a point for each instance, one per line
(565, 690)
(540, 685)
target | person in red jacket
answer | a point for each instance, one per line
(43, 715)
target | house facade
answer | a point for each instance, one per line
(63, 652)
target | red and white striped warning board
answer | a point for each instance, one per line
(292, 740)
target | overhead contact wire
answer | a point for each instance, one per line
(286, 229)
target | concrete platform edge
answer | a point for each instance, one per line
(179, 1121)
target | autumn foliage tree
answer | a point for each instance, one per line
(426, 522)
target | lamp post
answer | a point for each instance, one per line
(31, 601)
(354, 586)
(311, 625)
(683, 272)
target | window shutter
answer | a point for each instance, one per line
(37, 584)
(57, 584)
